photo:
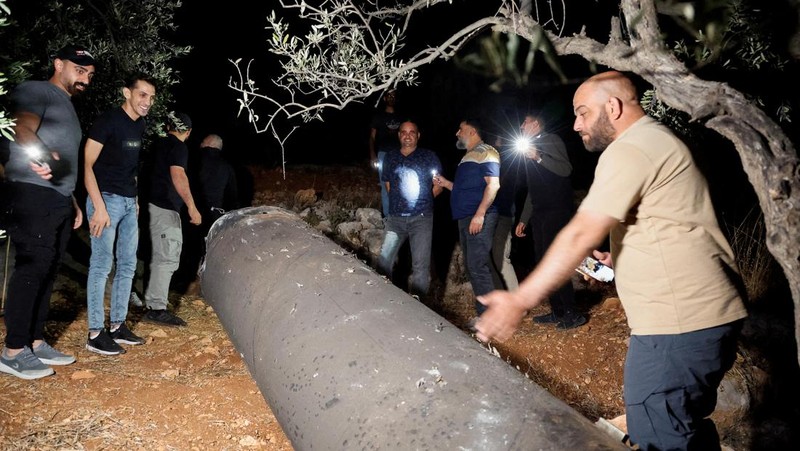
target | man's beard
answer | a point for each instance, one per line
(460, 145)
(74, 91)
(602, 134)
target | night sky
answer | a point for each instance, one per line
(439, 102)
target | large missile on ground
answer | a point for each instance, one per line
(348, 361)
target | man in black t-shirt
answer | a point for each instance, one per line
(110, 170)
(382, 139)
(169, 191)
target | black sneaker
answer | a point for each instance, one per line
(104, 344)
(123, 335)
(571, 321)
(163, 317)
(549, 318)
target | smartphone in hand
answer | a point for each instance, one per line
(596, 270)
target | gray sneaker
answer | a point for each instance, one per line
(50, 356)
(135, 300)
(24, 365)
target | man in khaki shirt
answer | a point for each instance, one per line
(675, 271)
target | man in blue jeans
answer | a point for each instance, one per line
(408, 175)
(473, 191)
(111, 168)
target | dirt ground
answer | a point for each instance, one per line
(187, 388)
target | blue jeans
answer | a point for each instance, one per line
(124, 231)
(671, 383)
(477, 251)
(419, 231)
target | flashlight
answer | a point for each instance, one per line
(434, 173)
(522, 144)
(37, 155)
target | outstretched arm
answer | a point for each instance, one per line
(585, 232)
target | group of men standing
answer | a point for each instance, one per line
(482, 208)
(39, 209)
(675, 271)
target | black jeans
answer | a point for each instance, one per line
(39, 221)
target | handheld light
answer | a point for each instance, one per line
(522, 144)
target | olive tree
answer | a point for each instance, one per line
(6, 123)
(349, 50)
(123, 36)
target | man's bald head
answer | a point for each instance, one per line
(605, 105)
(212, 141)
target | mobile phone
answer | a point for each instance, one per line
(596, 270)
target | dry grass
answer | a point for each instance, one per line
(756, 265)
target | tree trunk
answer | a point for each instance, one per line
(768, 156)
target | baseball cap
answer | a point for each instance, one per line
(180, 121)
(77, 54)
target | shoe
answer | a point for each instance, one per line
(135, 300)
(549, 318)
(24, 365)
(571, 321)
(104, 344)
(163, 317)
(50, 356)
(123, 335)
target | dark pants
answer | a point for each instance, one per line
(39, 223)
(477, 251)
(544, 226)
(671, 387)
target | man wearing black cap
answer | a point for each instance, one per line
(38, 206)
(169, 191)
(111, 167)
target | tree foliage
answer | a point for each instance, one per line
(337, 52)
(124, 37)
(5, 122)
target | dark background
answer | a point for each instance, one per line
(443, 96)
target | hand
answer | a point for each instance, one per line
(476, 225)
(44, 170)
(533, 154)
(505, 311)
(99, 221)
(78, 219)
(520, 230)
(439, 180)
(194, 216)
(603, 257)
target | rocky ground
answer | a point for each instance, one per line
(187, 388)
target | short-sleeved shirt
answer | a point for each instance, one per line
(673, 265)
(59, 131)
(411, 181)
(386, 126)
(168, 151)
(117, 165)
(469, 183)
